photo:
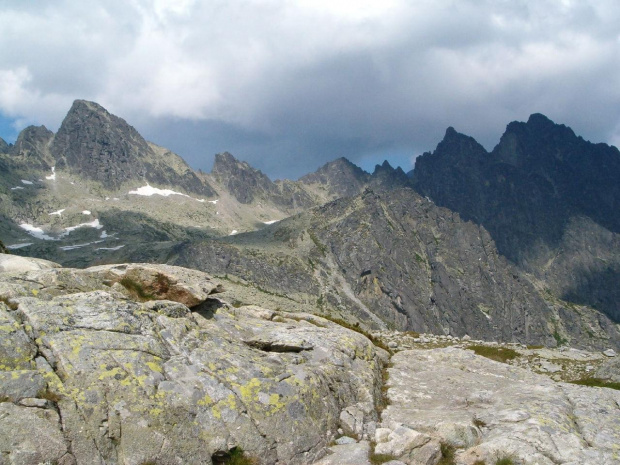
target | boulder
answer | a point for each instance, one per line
(157, 382)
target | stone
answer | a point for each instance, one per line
(17, 264)
(609, 353)
(496, 410)
(21, 432)
(345, 440)
(157, 382)
(347, 454)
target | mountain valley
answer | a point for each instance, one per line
(152, 313)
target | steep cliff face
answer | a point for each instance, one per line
(539, 189)
(102, 147)
(394, 258)
(31, 150)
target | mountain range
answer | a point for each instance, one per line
(518, 244)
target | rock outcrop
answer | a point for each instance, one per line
(103, 147)
(99, 369)
(487, 411)
(549, 199)
(395, 258)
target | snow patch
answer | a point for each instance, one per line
(36, 232)
(28, 183)
(58, 212)
(93, 224)
(234, 231)
(270, 222)
(19, 246)
(149, 191)
(52, 177)
(111, 248)
(214, 202)
(16, 188)
(86, 212)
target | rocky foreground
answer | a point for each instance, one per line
(147, 364)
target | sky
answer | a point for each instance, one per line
(288, 85)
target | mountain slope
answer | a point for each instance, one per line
(396, 256)
(549, 199)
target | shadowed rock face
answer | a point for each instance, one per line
(396, 256)
(32, 149)
(108, 372)
(103, 147)
(537, 189)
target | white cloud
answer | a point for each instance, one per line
(391, 73)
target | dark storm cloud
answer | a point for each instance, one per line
(290, 85)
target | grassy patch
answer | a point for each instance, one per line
(411, 334)
(137, 290)
(535, 347)
(499, 354)
(597, 382)
(376, 341)
(447, 454)
(11, 305)
(317, 243)
(234, 456)
(505, 461)
(378, 459)
(559, 339)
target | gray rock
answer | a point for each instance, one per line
(345, 440)
(347, 454)
(32, 436)
(491, 410)
(17, 264)
(609, 369)
(609, 353)
(156, 382)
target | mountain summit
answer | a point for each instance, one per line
(549, 198)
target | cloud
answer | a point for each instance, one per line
(291, 84)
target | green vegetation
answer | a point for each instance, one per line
(384, 401)
(480, 462)
(419, 259)
(535, 347)
(499, 354)
(559, 339)
(11, 305)
(376, 341)
(597, 382)
(317, 243)
(235, 456)
(378, 459)
(447, 454)
(505, 461)
(137, 290)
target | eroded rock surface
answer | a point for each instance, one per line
(102, 377)
(489, 410)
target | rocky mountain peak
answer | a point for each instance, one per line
(4, 147)
(239, 178)
(100, 146)
(341, 177)
(32, 148)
